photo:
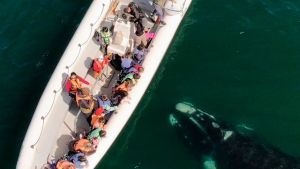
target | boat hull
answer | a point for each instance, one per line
(54, 104)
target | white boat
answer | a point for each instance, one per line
(55, 121)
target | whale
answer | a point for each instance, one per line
(222, 146)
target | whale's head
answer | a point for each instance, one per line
(198, 128)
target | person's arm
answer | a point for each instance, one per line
(95, 133)
(99, 100)
(68, 86)
(83, 80)
(110, 108)
(77, 98)
(133, 81)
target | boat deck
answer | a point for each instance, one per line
(57, 120)
(75, 121)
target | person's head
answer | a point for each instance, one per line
(102, 133)
(104, 29)
(70, 166)
(127, 10)
(82, 159)
(104, 97)
(99, 111)
(109, 56)
(136, 76)
(128, 55)
(73, 75)
(124, 16)
(127, 82)
(141, 46)
(140, 69)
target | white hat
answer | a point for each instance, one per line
(101, 58)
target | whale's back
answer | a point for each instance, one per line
(244, 153)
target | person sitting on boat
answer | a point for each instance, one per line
(130, 67)
(158, 11)
(84, 146)
(131, 77)
(79, 160)
(74, 83)
(105, 35)
(95, 135)
(105, 102)
(85, 101)
(127, 61)
(137, 68)
(120, 91)
(125, 87)
(138, 53)
(99, 64)
(65, 164)
(97, 120)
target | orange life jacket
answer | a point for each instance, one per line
(123, 87)
(78, 98)
(97, 121)
(84, 146)
(99, 65)
(64, 164)
(75, 84)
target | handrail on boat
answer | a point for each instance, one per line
(68, 69)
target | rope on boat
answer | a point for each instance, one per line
(103, 5)
(43, 120)
(68, 69)
(83, 43)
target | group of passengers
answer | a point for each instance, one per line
(137, 16)
(98, 109)
(134, 14)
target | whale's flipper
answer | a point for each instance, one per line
(185, 107)
(209, 163)
(244, 129)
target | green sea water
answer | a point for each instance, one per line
(237, 59)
